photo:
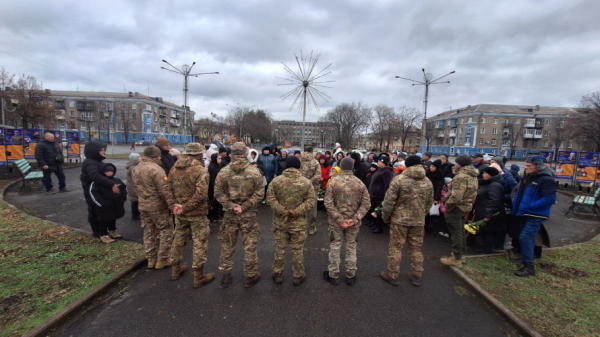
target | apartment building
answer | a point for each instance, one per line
(124, 117)
(318, 134)
(516, 130)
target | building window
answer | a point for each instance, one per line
(570, 144)
(546, 143)
(482, 131)
(460, 131)
(133, 106)
(480, 141)
(495, 131)
(518, 121)
(72, 113)
(71, 104)
(507, 121)
(495, 120)
(493, 142)
(462, 121)
(148, 107)
(482, 119)
(470, 119)
(548, 121)
(122, 126)
(547, 133)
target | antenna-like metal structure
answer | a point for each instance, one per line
(185, 71)
(305, 81)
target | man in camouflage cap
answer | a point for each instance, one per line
(239, 188)
(291, 196)
(347, 201)
(459, 201)
(189, 181)
(406, 203)
(155, 202)
(311, 170)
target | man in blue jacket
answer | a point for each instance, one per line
(268, 164)
(533, 201)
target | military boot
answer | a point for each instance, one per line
(252, 280)
(463, 260)
(226, 280)
(177, 269)
(201, 279)
(299, 280)
(526, 271)
(163, 263)
(451, 261)
(151, 263)
(278, 278)
(414, 279)
(386, 276)
(331, 280)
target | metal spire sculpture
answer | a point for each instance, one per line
(306, 82)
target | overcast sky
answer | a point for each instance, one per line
(505, 52)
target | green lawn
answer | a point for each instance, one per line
(562, 300)
(45, 267)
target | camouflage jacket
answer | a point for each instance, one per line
(154, 192)
(311, 169)
(189, 180)
(409, 198)
(239, 184)
(346, 198)
(463, 189)
(290, 191)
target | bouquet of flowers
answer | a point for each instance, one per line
(473, 226)
(377, 211)
(321, 194)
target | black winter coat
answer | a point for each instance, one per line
(91, 169)
(167, 161)
(281, 164)
(380, 182)
(109, 205)
(489, 201)
(48, 153)
(361, 168)
(437, 180)
(213, 170)
(446, 170)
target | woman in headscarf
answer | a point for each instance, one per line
(212, 149)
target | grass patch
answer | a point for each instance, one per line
(118, 156)
(562, 300)
(45, 267)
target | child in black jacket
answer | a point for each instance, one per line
(109, 205)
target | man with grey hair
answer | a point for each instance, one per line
(446, 168)
(50, 158)
(535, 196)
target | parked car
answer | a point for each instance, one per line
(142, 143)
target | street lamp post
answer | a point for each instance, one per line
(185, 71)
(322, 139)
(427, 80)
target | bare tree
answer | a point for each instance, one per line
(350, 120)
(430, 134)
(128, 117)
(34, 103)
(586, 122)
(407, 120)
(258, 124)
(512, 131)
(559, 133)
(383, 122)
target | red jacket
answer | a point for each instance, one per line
(325, 172)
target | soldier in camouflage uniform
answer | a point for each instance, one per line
(189, 181)
(405, 206)
(347, 201)
(459, 201)
(239, 188)
(311, 170)
(156, 202)
(291, 196)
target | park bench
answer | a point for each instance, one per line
(30, 177)
(585, 202)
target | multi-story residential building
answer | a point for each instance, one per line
(124, 117)
(411, 144)
(318, 134)
(509, 130)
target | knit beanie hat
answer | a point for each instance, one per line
(151, 152)
(447, 180)
(437, 163)
(464, 161)
(109, 168)
(161, 141)
(499, 160)
(412, 161)
(347, 164)
(385, 160)
(428, 154)
(134, 156)
(402, 155)
(539, 161)
(222, 149)
(292, 161)
(491, 171)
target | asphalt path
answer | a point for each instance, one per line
(150, 304)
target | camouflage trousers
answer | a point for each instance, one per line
(311, 217)
(455, 219)
(294, 239)
(200, 231)
(399, 235)
(336, 233)
(157, 224)
(228, 234)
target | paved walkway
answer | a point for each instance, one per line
(150, 304)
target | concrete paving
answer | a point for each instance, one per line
(150, 304)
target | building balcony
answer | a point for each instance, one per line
(529, 123)
(441, 125)
(440, 134)
(453, 123)
(452, 134)
(532, 134)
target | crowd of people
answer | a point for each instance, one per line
(178, 196)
